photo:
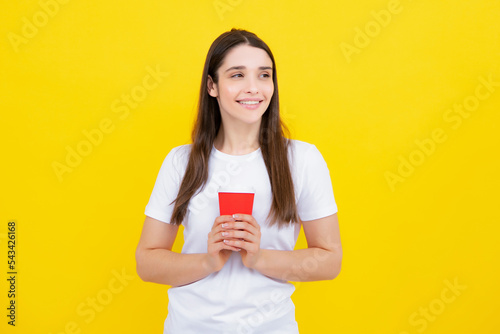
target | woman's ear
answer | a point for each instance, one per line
(212, 87)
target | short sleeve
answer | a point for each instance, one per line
(316, 199)
(165, 189)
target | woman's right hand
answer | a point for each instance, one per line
(218, 252)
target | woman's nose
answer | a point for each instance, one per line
(251, 86)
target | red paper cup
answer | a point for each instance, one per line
(236, 200)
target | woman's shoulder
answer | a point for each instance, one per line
(181, 149)
(179, 155)
(299, 147)
(303, 154)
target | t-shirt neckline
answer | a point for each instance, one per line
(225, 156)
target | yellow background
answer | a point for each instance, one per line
(364, 112)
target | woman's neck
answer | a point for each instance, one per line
(237, 141)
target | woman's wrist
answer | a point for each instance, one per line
(259, 264)
(208, 265)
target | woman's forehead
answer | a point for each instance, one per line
(246, 56)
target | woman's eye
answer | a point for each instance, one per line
(239, 75)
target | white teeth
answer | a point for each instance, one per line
(249, 102)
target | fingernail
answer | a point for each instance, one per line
(225, 241)
(224, 234)
(235, 216)
(224, 225)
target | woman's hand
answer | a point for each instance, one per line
(244, 234)
(218, 252)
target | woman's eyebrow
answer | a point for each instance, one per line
(243, 68)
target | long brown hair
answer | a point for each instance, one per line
(274, 145)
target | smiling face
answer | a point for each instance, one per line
(245, 85)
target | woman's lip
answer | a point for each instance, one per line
(249, 100)
(250, 106)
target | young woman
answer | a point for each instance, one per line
(232, 274)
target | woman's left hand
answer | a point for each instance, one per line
(244, 233)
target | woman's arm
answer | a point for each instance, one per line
(320, 261)
(155, 262)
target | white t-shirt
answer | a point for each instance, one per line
(237, 299)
